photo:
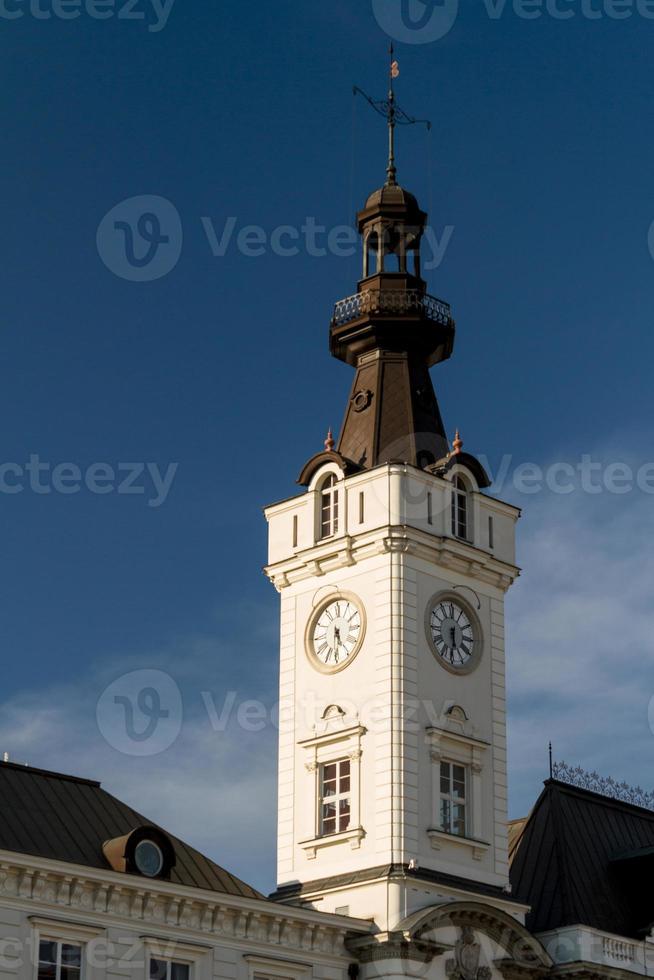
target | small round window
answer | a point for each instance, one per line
(148, 858)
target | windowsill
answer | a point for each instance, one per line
(355, 835)
(440, 837)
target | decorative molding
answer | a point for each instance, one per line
(467, 953)
(349, 550)
(523, 949)
(65, 929)
(272, 966)
(88, 895)
(158, 946)
(333, 735)
(440, 837)
(394, 946)
(311, 847)
(604, 785)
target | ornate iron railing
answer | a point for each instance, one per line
(390, 301)
(575, 776)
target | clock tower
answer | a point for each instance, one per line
(392, 566)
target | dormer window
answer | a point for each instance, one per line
(460, 510)
(329, 507)
(145, 851)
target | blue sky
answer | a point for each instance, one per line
(540, 165)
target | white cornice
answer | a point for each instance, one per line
(92, 898)
(448, 553)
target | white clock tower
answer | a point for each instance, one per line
(392, 567)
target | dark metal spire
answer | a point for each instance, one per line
(394, 115)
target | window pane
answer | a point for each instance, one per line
(329, 826)
(345, 767)
(445, 814)
(71, 955)
(179, 971)
(70, 972)
(47, 952)
(47, 971)
(329, 789)
(459, 820)
(344, 786)
(329, 772)
(158, 969)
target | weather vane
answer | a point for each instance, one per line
(394, 115)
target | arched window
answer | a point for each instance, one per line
(329, 507)
(460, 516)
(371, 255)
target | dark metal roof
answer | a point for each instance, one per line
(65, 818)
(568, 862)
(392, 194)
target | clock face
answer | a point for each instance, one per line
(335, 633)
(452, 635)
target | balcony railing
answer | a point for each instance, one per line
(389, 302)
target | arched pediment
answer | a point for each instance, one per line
(309, 470)
(456, 924)
(464, 461)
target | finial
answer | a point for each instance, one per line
(457, 445)
(329, 441)
(391, 169)
(393, 114)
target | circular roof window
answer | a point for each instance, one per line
(148, 858)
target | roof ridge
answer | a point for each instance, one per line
(48, 773)
(612, 801)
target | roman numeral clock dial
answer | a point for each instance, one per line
(454, 635)
(335, 633)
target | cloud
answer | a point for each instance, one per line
(215, 787)
(580, 645)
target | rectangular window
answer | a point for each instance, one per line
(335, 801)
(361, 508)
(59, 961)
(168, 970)
(430, 513)
(453, 799)
(460, 514)
(329, 504)
(491, 534)
(295, 531)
